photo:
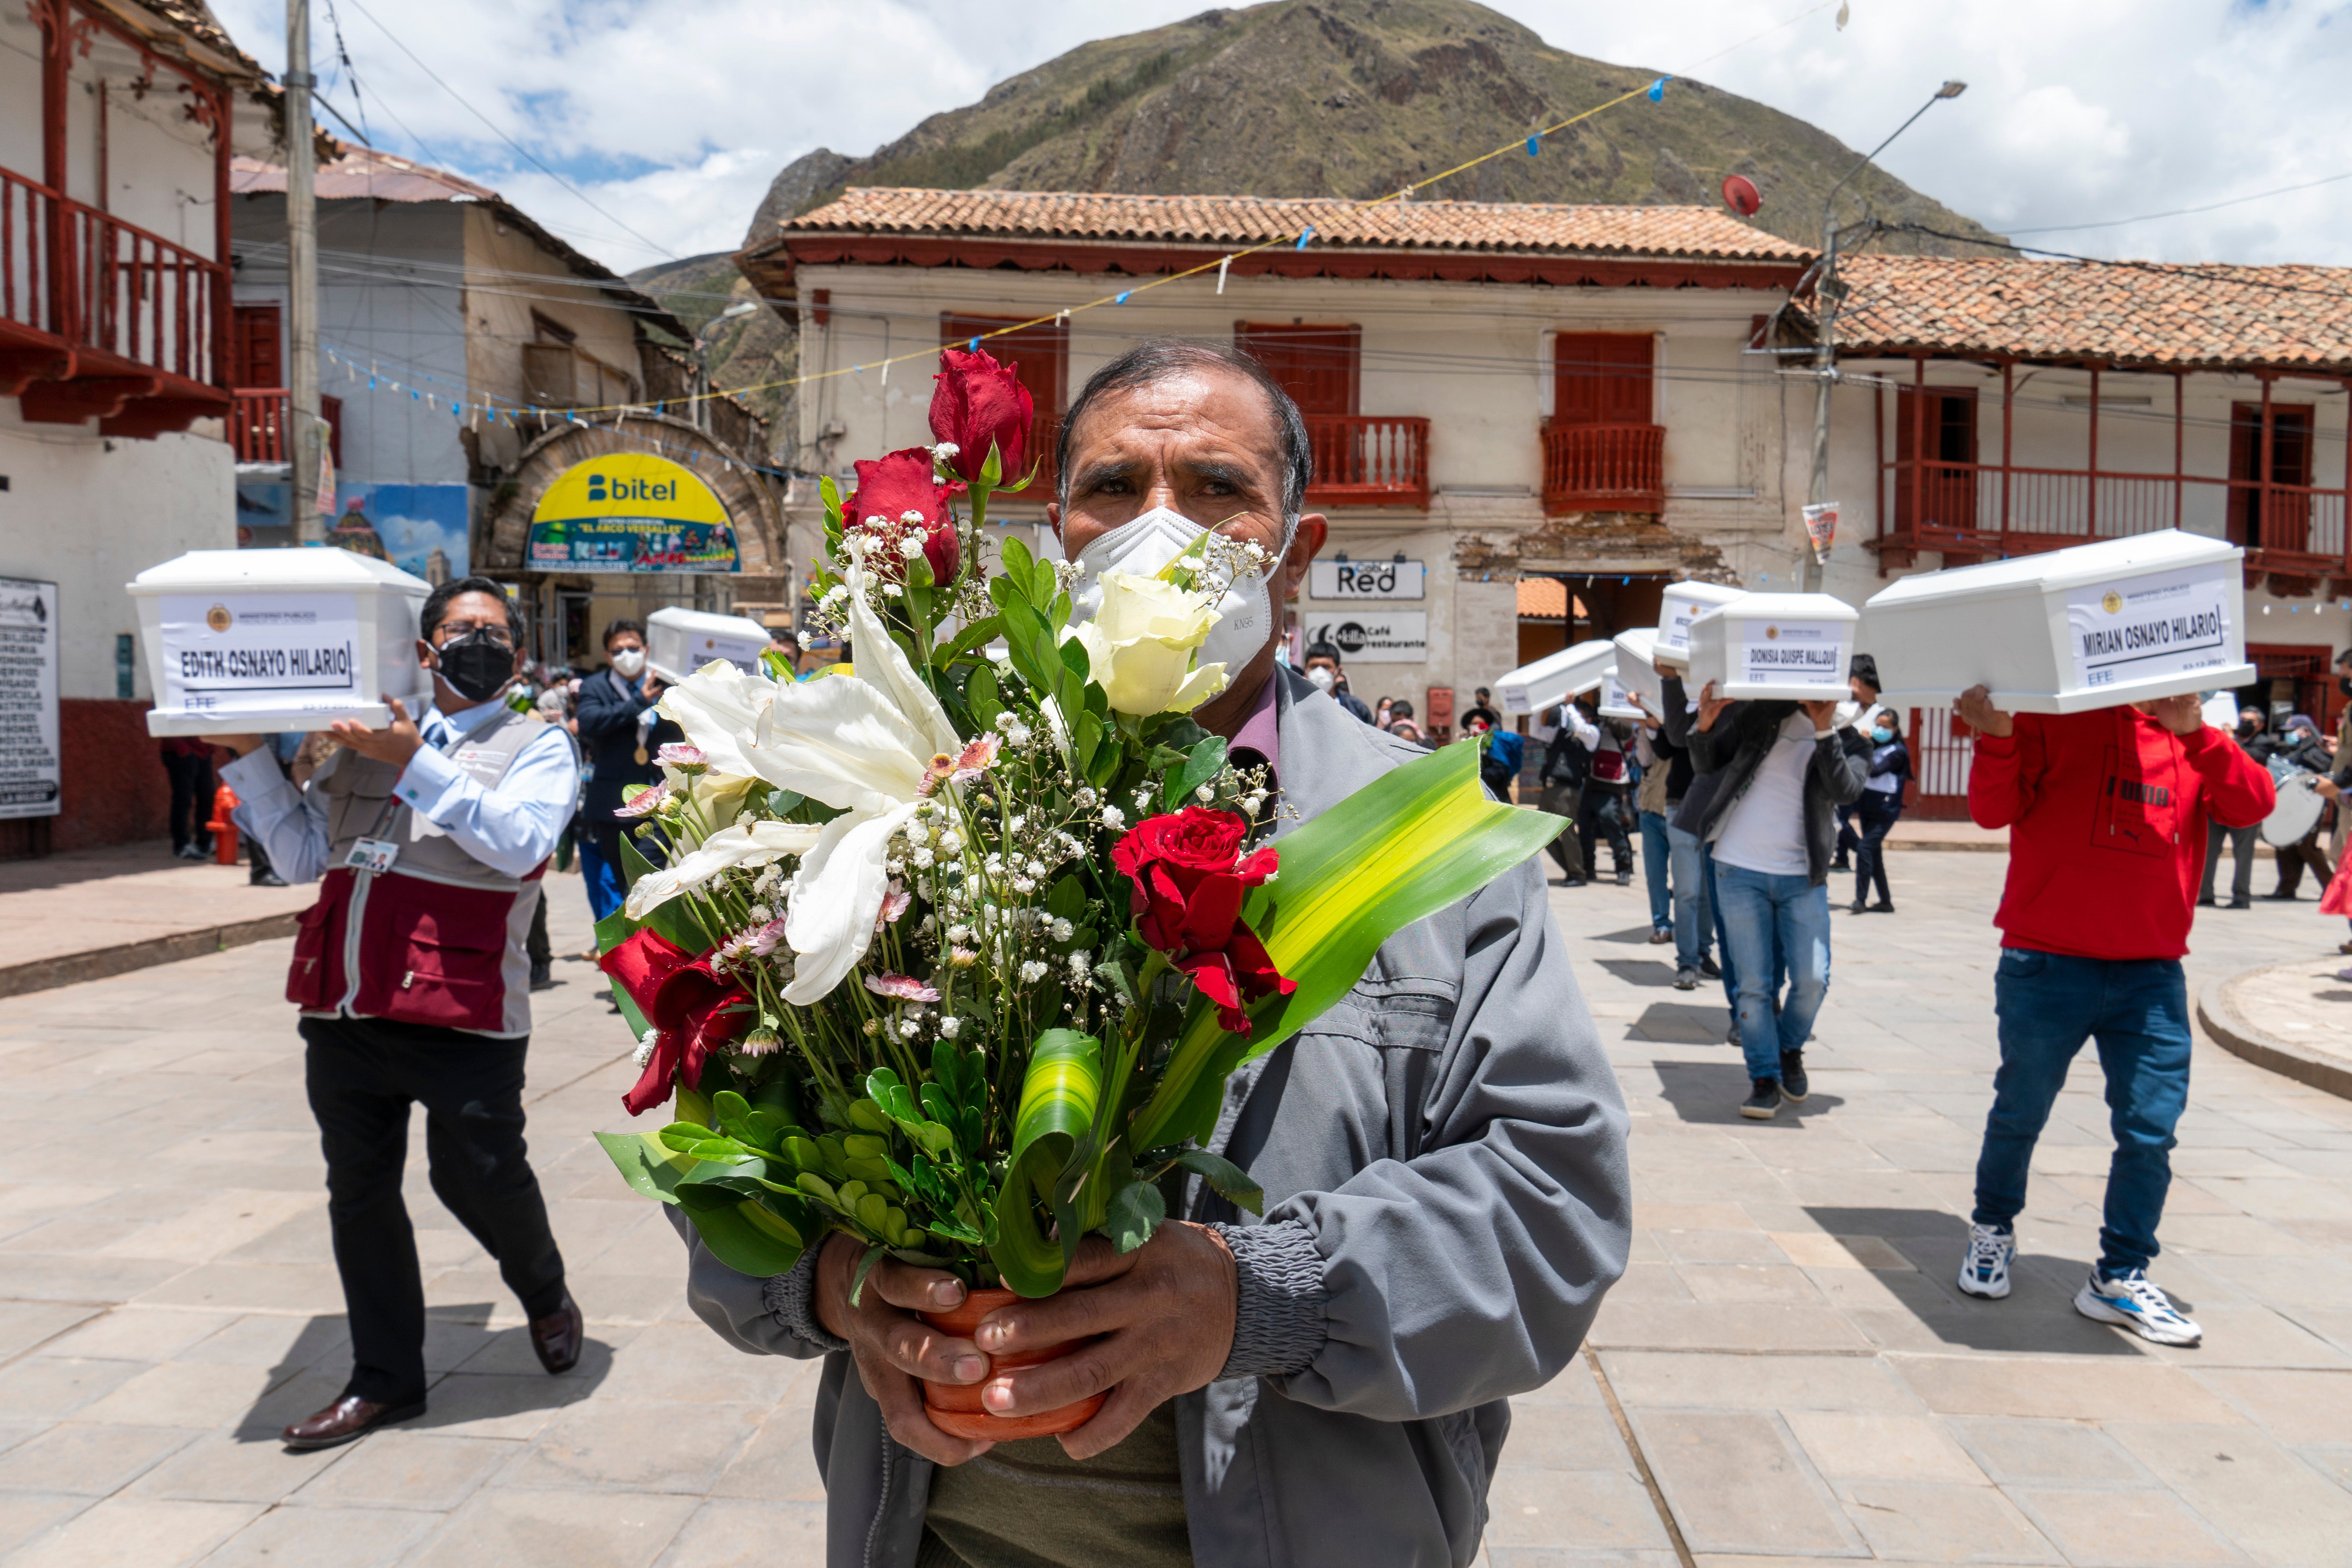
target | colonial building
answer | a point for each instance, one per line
(468, 356)
(118, 122)
(1493, 390)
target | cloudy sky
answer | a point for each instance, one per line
(2079, 113)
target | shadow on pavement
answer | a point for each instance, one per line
(475, 1373)
(1645, 972)
(1710, 1093)
(2037, 1316)
(1683, 1022)
(1632, 936)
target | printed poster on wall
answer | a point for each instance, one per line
(2143, 628)
(1367, 635)
(421, 529)
(630, 512)
(230, 653)
(29, 775)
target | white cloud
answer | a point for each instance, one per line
(674, 118)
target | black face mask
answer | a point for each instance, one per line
(476, 666)
(2344, 684)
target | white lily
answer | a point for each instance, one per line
(861, 744)
(751, 843)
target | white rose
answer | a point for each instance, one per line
(1140, 644)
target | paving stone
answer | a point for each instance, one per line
(183, 1393)
(25, 1324)
(224, 1466)
(76, 1458)
(1925, 1523)
(137, 1333)
(605, 1529)
(475, 1404)
(1750, 1282)
(25, 1515)
(1848, 1446)
(1738, 1482)
(2271, 1503)
(2295, 1407)
(346, 1538)
(1596, 1509)
(778, 1464)
(49, 1388)
(2100, 1390)
(402, 1466)
(1668, 1380)
(636, 1446)
(2064, 1452)
(742, 1533)
(1763, 1326)
(135, 1532)
(2118, 1527)
(1825, 1251)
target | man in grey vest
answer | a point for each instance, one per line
(428, 839)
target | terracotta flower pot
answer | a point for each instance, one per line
(955, 1407)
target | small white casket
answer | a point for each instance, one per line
(679, 642)
(2095, 625)
(1555, 678)
(260, 641)
(1678, 606)
(1637, 668)
(1774, 646)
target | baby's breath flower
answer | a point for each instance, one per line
(950, 1028)
(1113, 818)
(1062, 929)
(1032, 972)
(646, 1044)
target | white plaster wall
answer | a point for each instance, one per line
(90, 513)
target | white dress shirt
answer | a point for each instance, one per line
(509, 828)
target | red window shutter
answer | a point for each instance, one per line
(1319, 366)
(1602, 378)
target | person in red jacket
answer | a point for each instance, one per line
(2106, 813)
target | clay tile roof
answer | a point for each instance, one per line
(363, 171)
(1526, 227)
(1545, 598)
(2151, 314)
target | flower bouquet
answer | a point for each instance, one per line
(953, 944)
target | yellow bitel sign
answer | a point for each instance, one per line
(630, 485)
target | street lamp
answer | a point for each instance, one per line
(702, 357)
(1830, 291)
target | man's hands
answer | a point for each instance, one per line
(1978, 713)
(1164, 1312)
(394, 744)
(2183, 715)
(1822, 714)
(1710, 706)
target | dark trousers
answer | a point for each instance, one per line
(1869, 847)
(1608, 808)
(192, 799)
(2242, 855)
(362, 1074)
(1565, 800)
(2292, 857)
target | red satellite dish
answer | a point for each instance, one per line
(1740, 195)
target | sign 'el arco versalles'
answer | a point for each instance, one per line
(630, 512)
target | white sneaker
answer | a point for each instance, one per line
(2138, 1303)
(1985, 1270)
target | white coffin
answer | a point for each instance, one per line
(1555, 678)
(1774, 646)
(1678, 606)
(2123, 620)
(1637, 667)
(679, 642)
(257, 641)
(1612, 703)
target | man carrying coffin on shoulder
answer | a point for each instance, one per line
(429, 838)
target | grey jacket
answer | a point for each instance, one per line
(1729, 753)
(1447, 1197)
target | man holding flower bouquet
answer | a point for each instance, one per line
(1304, 1364)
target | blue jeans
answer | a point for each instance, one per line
(2137, 1011)
(1759, 910)
(602, 876)
(1654, 856)
(1694, 913)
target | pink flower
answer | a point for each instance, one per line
(894, 904)
(751, 942)
(966, 765)
(900, 987)
(684, 758)
(647, 802)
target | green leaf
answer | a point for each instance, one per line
(977, 636)
(1136, 1211)
(1200, 764)
(1227, 1179)
(979, 693)
(831, 494)
(1058, 1097)
(864, 1266)
(646, 1165)
(1016, 561)
(750, 1238)
(611, 933)
(1400, 848)
(1045, 584)
(1089, 738)
(782, 802)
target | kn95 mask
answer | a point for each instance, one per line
(1147, 543)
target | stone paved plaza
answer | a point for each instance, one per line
(1798, 1376)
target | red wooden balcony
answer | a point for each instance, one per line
(100, 318)
(258, 427)
(1369, 460)
(1604, 468)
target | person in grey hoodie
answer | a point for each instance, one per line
(1442, 1155)
(1770, 821)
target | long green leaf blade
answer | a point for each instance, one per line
(1058, 1097)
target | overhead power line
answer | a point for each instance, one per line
(2185, 212)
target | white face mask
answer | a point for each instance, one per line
(629, 663)
(1146, 544)
(1323, 679)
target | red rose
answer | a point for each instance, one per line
(1188, 904)
(695, 1011)
(888, 489)
(978, 402)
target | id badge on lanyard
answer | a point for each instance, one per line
(372, 854)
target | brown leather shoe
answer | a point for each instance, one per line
(348, 1417)
(556, 1337)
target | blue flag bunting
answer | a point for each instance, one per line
(1658, 90)
(1533, 143)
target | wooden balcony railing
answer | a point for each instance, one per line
(1974, 511)
(87, 280)
(259, 428)
(1369, 460)
(1604, 468)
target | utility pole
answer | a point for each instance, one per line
(1830, 291)
(306, 432)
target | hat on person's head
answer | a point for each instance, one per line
(2303, 720)
(1864, 668)
(2344, 657)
